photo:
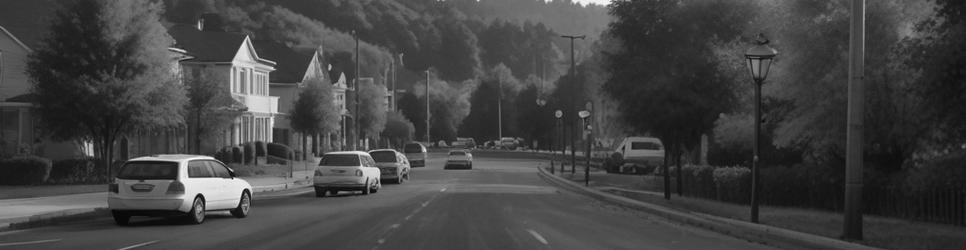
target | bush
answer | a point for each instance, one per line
(733, 184)
(298, 155)
(613, 163)
(237, 155)
(279, 150)
(224, 154)
(698, 180)
(249, 153)
(260, 149)
(24, 170)
(76, 171)
(945, 172)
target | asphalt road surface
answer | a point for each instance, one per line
(500, 204)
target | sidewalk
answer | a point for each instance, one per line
(14, 211)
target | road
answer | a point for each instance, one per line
(500, 204)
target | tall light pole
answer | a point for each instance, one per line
(853, 154)
(427, 108)
(759, 60)
(499, 109)
(357, 126)
(573, 106)
(584, 115)
(558, 114)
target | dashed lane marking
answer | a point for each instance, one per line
(7, 244)
(139, 245)
(537, 236)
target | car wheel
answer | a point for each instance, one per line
(376, 186)
(333, 192)
(319, 192)
(121, 218)
(244, 205)
(197, 213)
(366, 188)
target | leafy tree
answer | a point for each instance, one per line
(103, 70)
(210, 106)
(372, 109)
(398, 129)
(661, 74)
(315, 112)
(414, 109)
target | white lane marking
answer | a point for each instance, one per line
(537, 236)
(394, 226)
(139, 245)
(443, 190)
(27, 242)
(425, 203)
(408, 217)
(381, 241)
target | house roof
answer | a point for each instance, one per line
(291, 64)
(27, 20)
(206, 46)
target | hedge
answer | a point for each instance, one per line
(237, 154)
(24, 170)
(279, 150)
(77, 171)
(224, 155)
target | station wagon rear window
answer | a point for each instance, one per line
(645, 146)
(149, 170)
(457, 153)
(339, 160)
(383, 156)
(413, 148)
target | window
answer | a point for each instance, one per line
(413, 148)
(149, 170)
(219, 170)
(645, 146)
(198, 169)
(339, 160)
(457, 153)
(384, 156)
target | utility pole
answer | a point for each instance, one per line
(427, 108)
(853, 164)
(356, 136)
(499, 109)
(573, 106)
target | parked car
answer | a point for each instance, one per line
(176, 185)
(637, 155)
(459, 159)
(464, 142)
(346, 171)
(393, 165)
(508, 143)
(416, 153)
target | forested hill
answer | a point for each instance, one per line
(563, 16)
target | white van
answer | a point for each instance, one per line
(642, 150)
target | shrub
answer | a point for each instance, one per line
(260, 148)
(298, 154)
(279, 150)
(733, 184)
(24, 170)
(224, 154)
(614, 162)
(944, 172)
(698, 180)
(249, 153)
(76, 171)
(237, 155)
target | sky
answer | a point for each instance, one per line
(599, 2)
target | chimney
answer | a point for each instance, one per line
(210, 22)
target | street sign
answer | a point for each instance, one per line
(584, 114)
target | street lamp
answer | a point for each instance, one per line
(559, 114)
(584, 114)
(759, 60)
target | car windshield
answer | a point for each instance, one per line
(149, 170)
(383, 156)
(413, 148)
(339, 160)
(645, 146)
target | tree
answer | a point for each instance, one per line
(372, 108)
(210, 106)
(315, 112)
(414, 109)
(661, 73)
(103, 70)
(398, 128)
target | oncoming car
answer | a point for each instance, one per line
(176, 185)
(346, 171)
(459, 159)
(416, 153)
(393, 165)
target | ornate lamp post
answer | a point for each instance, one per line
(559, 114)
(759, 60)
(584, 115)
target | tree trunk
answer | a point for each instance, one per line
(304, 146)
(677, 159)
(198, 131)
(667, 176)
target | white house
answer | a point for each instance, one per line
(240, 69)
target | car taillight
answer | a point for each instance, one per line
(318, 172)
(176, 188)
(358, 172)
(112, 188)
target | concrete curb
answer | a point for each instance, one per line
(69, 215)
(769, 235)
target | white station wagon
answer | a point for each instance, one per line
(346, 171)
(176, 185)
